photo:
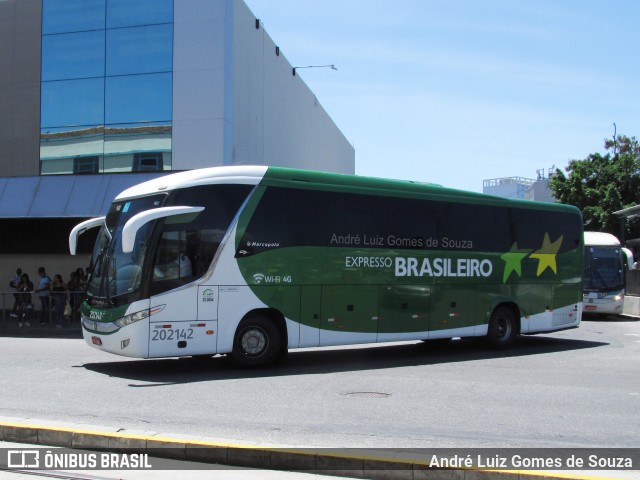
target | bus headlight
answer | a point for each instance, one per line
(132, 318)
(99, 327)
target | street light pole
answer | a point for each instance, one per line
(332, 67)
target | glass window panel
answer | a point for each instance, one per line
(60, 16)
(72, 102)
(127, 145)
(139, 50)
(138, 98)
(73, 55)
(125, 13)
(148, 162)
(86, 165)
(60, 148)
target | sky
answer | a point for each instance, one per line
(455, 92)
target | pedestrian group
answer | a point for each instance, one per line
(58, 300)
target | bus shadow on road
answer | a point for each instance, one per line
(173, 371)
(594, 317)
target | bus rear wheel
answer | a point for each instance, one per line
(257, 342)
(503, 328)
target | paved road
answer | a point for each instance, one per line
(578, 388)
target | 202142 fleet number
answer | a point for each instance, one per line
(168, 334)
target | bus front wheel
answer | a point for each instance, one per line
(257, 342)
(503, 327)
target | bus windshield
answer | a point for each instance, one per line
(115, 274)
(603, 269)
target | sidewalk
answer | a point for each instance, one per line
(387, 464)
(9, 328)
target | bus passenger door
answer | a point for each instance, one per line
(349, 314)
(183, 324)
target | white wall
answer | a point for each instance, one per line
(198, 83)
(237, 102)
(277, 120)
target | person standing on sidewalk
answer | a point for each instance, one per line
(24, 297)
(44, 292)
(14, 283)
(59, 297)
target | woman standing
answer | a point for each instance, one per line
(59, 296)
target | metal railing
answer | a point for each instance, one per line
(12, 310)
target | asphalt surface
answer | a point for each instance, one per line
(578, 388)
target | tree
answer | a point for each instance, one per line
(602, 184)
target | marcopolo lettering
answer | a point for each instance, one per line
(442, 267)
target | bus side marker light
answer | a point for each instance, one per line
(209, 332)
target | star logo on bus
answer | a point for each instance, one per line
(546, 256)
(513, 261)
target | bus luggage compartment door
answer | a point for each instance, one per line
(404, 311)
(349, 314)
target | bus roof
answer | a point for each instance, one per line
(246, 175)
(600, 238)
(290, 177)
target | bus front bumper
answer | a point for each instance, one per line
(129, 341)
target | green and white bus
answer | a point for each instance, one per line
(252, 261)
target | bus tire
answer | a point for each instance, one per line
(503, 328)
(257, 342)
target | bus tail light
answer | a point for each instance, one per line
(96, 341)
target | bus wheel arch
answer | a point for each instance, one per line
(504, 325)
(261, 337)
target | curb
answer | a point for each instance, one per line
(399, 466)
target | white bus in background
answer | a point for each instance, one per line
(605, 264)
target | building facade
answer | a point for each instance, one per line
(98, 95)
(521, 188)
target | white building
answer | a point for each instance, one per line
(521, 188)
(98, 95)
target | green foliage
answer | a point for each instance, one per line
(602, 184)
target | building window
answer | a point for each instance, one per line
(107, 83)
(148, 162)
(86, 165)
